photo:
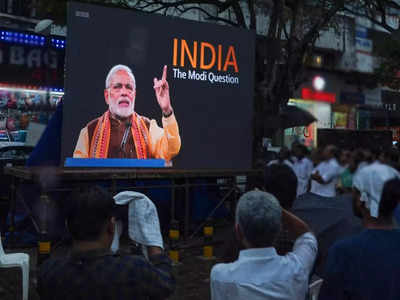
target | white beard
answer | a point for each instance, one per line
(122, 112)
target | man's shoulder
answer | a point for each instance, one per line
(93, 122)
(146, 120)
(347, 245)
(222, 272)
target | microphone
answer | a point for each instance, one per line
(126, 134)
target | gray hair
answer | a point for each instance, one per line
(117, 68)
(259, 216)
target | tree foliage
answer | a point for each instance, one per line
(388, 72)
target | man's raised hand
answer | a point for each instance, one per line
(161, 89)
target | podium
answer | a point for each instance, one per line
(114, 163)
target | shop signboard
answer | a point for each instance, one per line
(373, 96)
(352, 98)
(25, 58)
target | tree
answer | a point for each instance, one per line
(290, 30)
(388, 47)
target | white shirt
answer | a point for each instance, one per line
(303, 169)
(330, 171)
(260, 273)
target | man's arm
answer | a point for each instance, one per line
(159, 278)
(295, 226)
(305, 246)
(165, 142)
(333, 285)
(82, 146)
(333, 172)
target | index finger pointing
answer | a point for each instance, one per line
(164, 75)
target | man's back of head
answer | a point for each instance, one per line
(258, 219)
(91, 210)
(281, 181)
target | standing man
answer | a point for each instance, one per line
(259, 272)
(122, 133)
(303, 168)
(367, 265)
(325, 176)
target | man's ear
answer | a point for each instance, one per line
(106, 95)
(111, 226)
(239, 233)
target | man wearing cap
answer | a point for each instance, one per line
(259, 272)
(122, 133)
(367, 266)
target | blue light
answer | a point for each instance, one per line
(62, 42)
(42, 38)
(2, 37)
(42, 43)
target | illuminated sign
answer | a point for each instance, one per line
(309, 94)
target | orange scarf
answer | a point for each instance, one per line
(101, 137)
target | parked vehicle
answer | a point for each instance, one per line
(13, 154)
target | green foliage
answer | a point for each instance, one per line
(388, 73)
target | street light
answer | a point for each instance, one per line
(44, 28)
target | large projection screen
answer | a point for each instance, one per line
(210, 70)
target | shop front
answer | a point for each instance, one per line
(307, 135)
(31, 81)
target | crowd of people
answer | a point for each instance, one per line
(330, 170)
(271, 253)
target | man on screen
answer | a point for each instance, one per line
(122, 133)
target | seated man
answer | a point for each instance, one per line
(91, 271)
(259, 272)
(367, 266)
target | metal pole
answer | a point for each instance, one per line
(187, 209)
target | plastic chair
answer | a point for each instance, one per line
(20, 260)
(313, 289)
